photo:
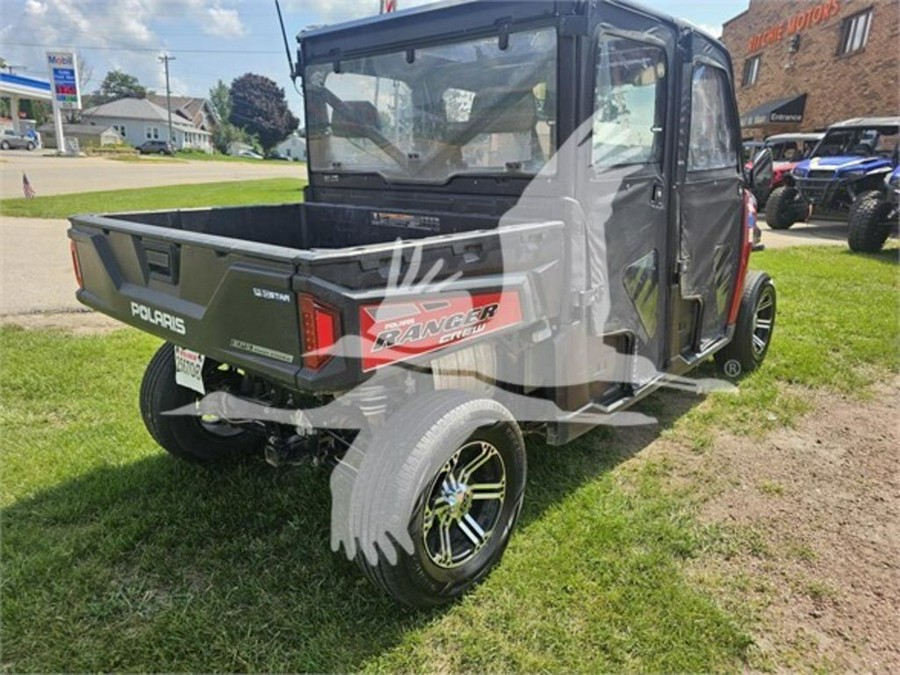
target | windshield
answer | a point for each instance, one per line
(437, 112)
(858, 141)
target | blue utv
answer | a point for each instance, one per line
(851, 160)
(874, 214)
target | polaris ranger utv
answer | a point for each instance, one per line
(520, 217)
(852, 158)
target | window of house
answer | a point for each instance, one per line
(712, 144)
(152, 133)
(751, 71)
(120, 128)
(629, 103)
(855, 32)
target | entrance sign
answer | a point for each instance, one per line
(64, 80)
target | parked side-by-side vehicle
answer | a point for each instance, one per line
(852, 159)
(521, 218)
(788, 150)
(875, 215)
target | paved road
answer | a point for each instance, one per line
(51, 175)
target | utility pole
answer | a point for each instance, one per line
(164, 59)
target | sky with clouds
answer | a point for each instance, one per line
(210, 39)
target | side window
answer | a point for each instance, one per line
(712, 143)
(629, 103)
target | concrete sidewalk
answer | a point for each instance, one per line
(816, 233)
(35, 267)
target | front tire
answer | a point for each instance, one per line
(784, 207)
(755, 327)
(193, 439)
(868, 224)
(4, 145)
(435, 495)
(29, 147)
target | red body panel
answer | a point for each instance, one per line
(396, 331)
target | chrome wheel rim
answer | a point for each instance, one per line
(464, 505)
(763, 322)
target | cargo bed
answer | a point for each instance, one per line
(226, 282)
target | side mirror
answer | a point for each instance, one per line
(762, 172)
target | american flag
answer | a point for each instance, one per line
(26, 188)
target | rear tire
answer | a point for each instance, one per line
(412, 486)
(784, 207)
(187, 438)
(30, 147)
(868, 223)
(755, 327)
(4, 145)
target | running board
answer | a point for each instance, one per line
(569, 427)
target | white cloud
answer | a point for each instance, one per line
(330, 11)
(224, 22)
(35, 8)
(124, 34)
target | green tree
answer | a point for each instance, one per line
(225, 133)
(220, 100)
(117, 85)
(39, 111)
(259, 107)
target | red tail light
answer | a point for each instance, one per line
(76, 265)
(320, 326)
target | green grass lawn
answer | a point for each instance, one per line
(117, 558)
(237, 193)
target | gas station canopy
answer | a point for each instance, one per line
(17, 87)
(24, 87)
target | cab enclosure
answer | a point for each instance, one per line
(518, 215)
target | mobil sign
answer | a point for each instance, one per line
(64, 80)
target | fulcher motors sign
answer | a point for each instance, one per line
(797, 23)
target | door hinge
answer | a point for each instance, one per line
(681, 267)
(589, 297)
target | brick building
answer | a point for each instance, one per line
(802, 65)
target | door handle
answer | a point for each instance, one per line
(657, 194)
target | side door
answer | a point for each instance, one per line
(625, 189)
(709, 194)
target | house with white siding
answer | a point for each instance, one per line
(138, 120)
(293, 147)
